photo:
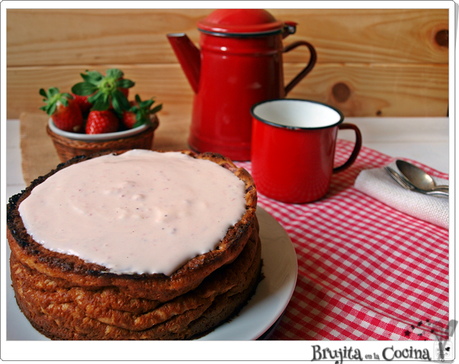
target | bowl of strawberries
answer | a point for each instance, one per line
(98, 117)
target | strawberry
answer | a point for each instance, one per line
(99, 122)
(129, 118)
(63, 110)
(139, 113)
(83, 103)
(105, 91)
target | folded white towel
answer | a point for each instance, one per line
(378, 184)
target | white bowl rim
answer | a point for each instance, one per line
(96, 137)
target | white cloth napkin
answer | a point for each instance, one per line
(378, 184)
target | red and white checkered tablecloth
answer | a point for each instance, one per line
(365, 270)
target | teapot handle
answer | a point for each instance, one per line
(307, 69)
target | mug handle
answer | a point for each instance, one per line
(357, 146)
(307, 69)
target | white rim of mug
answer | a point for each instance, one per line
(272, 123)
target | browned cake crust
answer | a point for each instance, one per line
(65, 297)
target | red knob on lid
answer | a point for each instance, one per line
(240, 21)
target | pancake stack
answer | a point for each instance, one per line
(67, 298)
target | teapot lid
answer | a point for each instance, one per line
(240, 21)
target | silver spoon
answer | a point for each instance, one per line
(418, 177)
(402, 181)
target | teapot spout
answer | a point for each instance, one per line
(188, 56)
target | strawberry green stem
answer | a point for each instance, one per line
(104, 91)
(53, 98)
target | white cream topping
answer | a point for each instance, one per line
(139, 212)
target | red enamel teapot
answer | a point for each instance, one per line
(238, 65)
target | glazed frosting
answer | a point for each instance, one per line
(138, 212)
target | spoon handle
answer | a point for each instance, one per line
(443, 188)
(438, 193)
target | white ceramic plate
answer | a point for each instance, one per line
(96, 137)
(280, 269)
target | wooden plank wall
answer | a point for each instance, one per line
(385, 62)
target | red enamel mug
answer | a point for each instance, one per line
(293, 148)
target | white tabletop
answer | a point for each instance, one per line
(422, 139)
